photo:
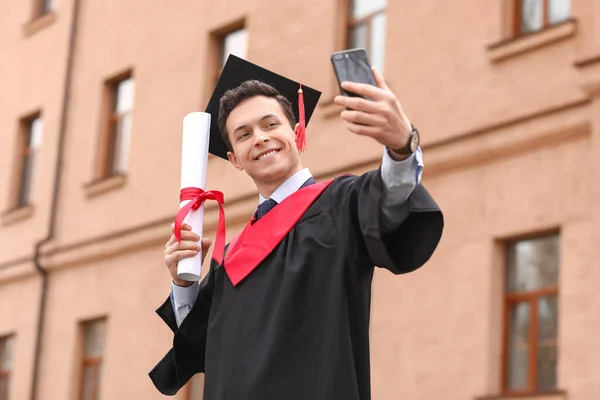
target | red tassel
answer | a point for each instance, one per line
(301, 136)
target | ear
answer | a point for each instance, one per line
(296, 129)
(234, 161)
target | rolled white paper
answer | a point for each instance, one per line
(194, 158)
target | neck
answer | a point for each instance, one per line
(266, 189)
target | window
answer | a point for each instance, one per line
(366, 29)
(194, 390)
(46, 6)
(115, 144)
(234, 42)
(30, 139)
(531, 315)
(6, 351)
(94, 333)
(534, 15)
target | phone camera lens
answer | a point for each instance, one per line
(339, 57)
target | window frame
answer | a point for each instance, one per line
(353, 22)
(24, 149)
(5, 373)
(41, 8)
(532, 299)
(105, 168)
(220, 37)
(517, 15)
(85, 361)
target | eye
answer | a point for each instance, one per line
(272, 124)
(243, 135)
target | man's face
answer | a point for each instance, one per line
(264, 143)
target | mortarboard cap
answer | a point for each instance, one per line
(235, 72)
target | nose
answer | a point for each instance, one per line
(260, 138)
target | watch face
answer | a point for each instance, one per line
(414, 142)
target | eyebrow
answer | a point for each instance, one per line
(262, 119)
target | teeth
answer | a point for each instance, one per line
(269, 154)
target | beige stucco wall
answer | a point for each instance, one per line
(512, 147)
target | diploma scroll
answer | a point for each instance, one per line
(194, 159)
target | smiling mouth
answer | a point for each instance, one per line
(267, 155)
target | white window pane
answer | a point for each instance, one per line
(235, 43)
(377, 45)
(358, 36)
(6, 353)
(531, 15)
(123, 140)
(4, 383)
(94, 338)
(559, 10)
(88, 383)
(36, 133)
(361, 8)
(519, 347)
(125, 95)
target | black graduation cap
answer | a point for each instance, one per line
(235, 72)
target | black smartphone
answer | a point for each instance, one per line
(354, 66)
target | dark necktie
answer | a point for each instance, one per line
(269, 204)
(264, 208)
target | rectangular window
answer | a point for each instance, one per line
(233, 42)
(43, 7)
(366, 29)
(6, 360)
(115, 145)
(94, 334)
(535, 15)
(531, 315)
(30, 139)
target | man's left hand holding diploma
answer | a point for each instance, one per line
(188, 247)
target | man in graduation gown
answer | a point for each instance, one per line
(285, 313)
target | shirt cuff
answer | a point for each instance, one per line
(185, 295)
(394, 172)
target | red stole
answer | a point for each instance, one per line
(248, 249)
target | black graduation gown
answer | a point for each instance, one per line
(297, 327)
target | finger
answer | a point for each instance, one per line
(175, 247)
(171, 240)
(358, 103)
(188, 235)
(184, 227)
(379, 79)
(366, 90)
(360, 117)
(180, 255)
(363, 130)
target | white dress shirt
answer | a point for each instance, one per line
(399, 178)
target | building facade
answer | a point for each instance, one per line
(506, 95)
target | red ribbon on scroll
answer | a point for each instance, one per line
(197, 197)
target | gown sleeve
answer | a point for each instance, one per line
(187, 355)
(356, 204)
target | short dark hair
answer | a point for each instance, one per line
(233, 97)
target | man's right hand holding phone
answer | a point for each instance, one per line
(380, 116)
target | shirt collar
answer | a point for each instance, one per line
(289, 187)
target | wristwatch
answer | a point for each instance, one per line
(412, 145)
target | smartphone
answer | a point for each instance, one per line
(354, 66)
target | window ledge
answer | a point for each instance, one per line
(15, 215)
(39, 23)
(556, 395)
(104, 185)
(512, 47)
